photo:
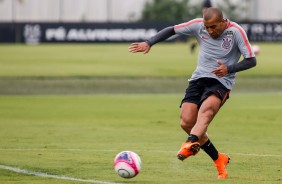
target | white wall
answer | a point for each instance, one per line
(6, 10)
(102, 10)
(70, 10)
(106, 10)
(126, 10)
(268, 10)
(36, 10)
(84, 10)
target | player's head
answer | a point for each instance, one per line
(214, 22)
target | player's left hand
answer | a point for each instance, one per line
(220, 71)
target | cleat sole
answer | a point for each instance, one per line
(181, 157)
(195, 148)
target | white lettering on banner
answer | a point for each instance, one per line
(114, 34)
(257, 28)
(60, 34)
(90, 34)
(77, 35)
(278, 29)
(100, 34)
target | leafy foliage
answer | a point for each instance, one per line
(183, 10)
(170, 11)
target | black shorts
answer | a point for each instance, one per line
(200, 89)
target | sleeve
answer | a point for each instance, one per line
(243, 43)
(161, 36)
(188, 28)
(242, 65)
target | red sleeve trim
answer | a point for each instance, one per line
(188, 23)
(245, 38)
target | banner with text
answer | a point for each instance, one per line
(34, 33)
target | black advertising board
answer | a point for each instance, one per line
(34, 33)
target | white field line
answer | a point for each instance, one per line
(101, 150)
(40, 174)
(256, 155)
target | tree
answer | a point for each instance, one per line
(170, 11)
(183, 10)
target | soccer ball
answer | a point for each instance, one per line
(256, 49)
(127, 164)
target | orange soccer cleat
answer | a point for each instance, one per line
(187, 149)
(221, 164)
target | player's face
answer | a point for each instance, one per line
(214, 27)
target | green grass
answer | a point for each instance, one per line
(104, 68)
(164, 60)
(78, 136)
(132, 103)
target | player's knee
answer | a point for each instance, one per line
(187, 122)
(185, 126)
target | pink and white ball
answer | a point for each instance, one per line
(127, 164)
(256, 49)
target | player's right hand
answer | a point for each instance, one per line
(139, 47)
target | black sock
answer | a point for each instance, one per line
(192, 138)
(209, 148)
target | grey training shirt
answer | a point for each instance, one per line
(227, 48)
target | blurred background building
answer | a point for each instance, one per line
(116, 10)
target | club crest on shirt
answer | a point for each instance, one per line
(226, 44)
(229, 33)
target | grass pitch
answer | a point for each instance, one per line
(120, 101)
(100, 68)
(164, 60)
(79, 136)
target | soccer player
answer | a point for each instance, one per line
(221, 42)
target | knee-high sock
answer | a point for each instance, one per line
(209, 148)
